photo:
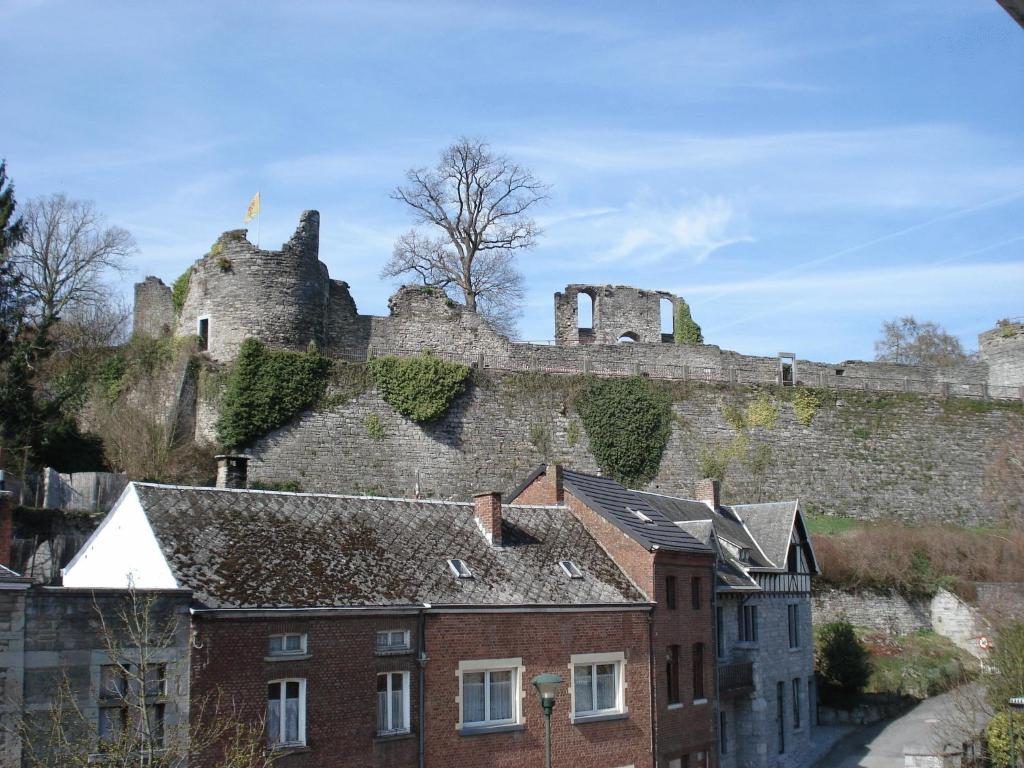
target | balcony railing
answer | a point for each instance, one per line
(735, 679)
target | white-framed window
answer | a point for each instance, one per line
(460, 569)
(391, 640)
(640, 515)
(286, 712)
(290, 644)
(392, 703)
(598, 684)
(570, 569)
(490, 693)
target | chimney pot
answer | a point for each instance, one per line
(232, 470)
(487, 508)
(709, 491)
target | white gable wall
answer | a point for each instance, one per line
(123, 552)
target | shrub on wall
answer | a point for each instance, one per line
(266, 389)
(179, 290)
(420, 388)
(806, 403)
(686, 330)
(628, 422)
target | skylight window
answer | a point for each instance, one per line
(640, 515)
(460, 569)
(570, 569)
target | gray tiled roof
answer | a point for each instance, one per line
(614, 502)
(771, 525)
(726, 527)
(252, 549)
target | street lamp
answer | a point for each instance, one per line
(547, 688)
(1016, 705)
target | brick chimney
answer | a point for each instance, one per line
(554, 476)
(709, 491)
(232, 471)
(6, 526)
(487, 508)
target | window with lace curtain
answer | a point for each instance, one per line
(392, 703)
(597, 685)
(490, 693)
(286, 713)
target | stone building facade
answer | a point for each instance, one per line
(618, 312)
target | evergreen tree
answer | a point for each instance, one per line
(12, 299)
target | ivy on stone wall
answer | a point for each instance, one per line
(179, 291)
(806, 403)
(628, 422)
(266, 389)
(420, 388)
(685, 329)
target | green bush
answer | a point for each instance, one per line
(628, 422)
(997, 734)
(686, 330)
(373, 426)
(806, 403)
(266, 389)
(421, 388)
(841, 659)
(179, 291)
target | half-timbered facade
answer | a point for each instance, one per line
(764, 645)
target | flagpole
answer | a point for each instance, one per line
(259, 213)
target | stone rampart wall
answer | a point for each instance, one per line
(1002, 350)
(907, 457)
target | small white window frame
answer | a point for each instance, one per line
(285, 654)
(405, 703)
(571, 569)
(459, 568)
(643, 518)
(618, 658)
(280, 744)
(493, 665)
(390, 647)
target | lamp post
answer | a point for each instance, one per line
(547, 688)
(1016, 705)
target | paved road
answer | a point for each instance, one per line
(881, 745)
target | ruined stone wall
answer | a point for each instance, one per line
(1002, 349)
(902, 456)
(279, 297)
(618, 310)
(153, 313)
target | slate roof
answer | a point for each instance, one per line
(772, 525)
(262, 549)
(615, 503)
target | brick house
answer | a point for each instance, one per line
(675, 570)
(764, 646)
(394, 632)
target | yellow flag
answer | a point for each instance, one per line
(253, 209)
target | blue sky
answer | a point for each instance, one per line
(800, 172)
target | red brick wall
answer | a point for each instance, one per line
(341, 683)
(545, 642)
(691, 727)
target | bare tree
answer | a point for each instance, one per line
(65, 253)
(475, 204)
(905, 340)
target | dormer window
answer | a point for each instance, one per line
(744, 555)
(292, 644)
(460, 569)
(570, 569)
(640, 515)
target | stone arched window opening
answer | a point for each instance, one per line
(585, 311)
(668, 317)
(628, 338)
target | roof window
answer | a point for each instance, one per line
(460, 569)
(640, 515)
(570, 569)
(744, 554)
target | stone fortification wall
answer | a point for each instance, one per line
(279, 297)
(1002, 349)
(902, 456)
(153, 313)
(889, 612)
